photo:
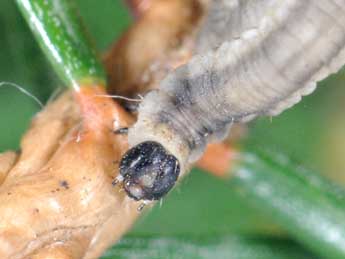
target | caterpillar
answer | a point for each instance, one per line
(253, 58)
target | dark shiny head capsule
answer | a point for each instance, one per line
(149, 171)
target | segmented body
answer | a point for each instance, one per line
(254, 58)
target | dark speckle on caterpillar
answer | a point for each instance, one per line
(253, 58)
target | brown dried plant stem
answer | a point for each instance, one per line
(58, 195)
(138, 7)
(57, 199)
(161, 39)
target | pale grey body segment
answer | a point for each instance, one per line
(254, 58)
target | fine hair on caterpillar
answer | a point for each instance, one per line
(121, 97)
(22, 90)
(252, 58)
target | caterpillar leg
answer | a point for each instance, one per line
(121, 131)
(118, 179)
(143, 204)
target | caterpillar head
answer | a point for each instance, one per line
(148, 171)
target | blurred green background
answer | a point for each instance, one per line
(312, 133)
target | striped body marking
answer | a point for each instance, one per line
(253, 58)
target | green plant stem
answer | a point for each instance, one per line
(304, 204)
(230, 247)
(57, 27)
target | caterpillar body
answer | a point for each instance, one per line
(253, 58)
